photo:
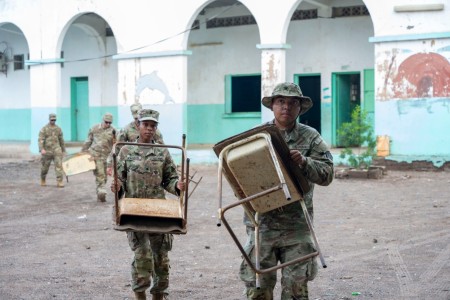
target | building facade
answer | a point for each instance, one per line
(206, 64)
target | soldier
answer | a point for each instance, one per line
(145, 172)
(99, 144)
(284, 233)
(130, 133)
(52, 148)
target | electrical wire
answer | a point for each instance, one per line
(146, 46)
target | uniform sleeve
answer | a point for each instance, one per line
(319, 167)
(61, 141)
(159, 137)
(120, 138)
(170, 176)
(122, 169)
(88, 142)
(41, 140)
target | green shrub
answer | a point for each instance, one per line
(358, 134)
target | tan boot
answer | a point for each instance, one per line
(60, 184)
(101, 197)
(43, 182)
(158, 296)
(140, 296)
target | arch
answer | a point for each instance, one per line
(195, 13)
(89, 29)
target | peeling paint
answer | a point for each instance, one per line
(270, 68)
(423, 75)
(431, 106)
(436, 161)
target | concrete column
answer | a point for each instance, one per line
(45, 94)
(273, 71)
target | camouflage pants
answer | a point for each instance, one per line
(279, 246)
(46, 160)
(100, 175)
(151, 259)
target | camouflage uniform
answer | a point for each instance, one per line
(52, 141)
(99, 144)
(284, 233)
(145, 172)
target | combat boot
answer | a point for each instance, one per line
(140, 296)
(43, 182)
(101, 197)
(158, 296)
(60, 184)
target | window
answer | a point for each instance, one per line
(243, 93)
(18, 62)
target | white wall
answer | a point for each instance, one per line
(15, 85)
(218, 52)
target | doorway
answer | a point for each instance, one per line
(346, 93)
(310, 86)
(79, 111)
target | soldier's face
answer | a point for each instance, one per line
(286, 110)
(147, 130)
(106, 124)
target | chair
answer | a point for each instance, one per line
(242, 160)
(153, 215)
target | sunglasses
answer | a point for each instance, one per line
(108, 122)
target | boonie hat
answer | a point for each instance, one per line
(289, 89)
(108, 117)
(52, 116)
(148, 115)
(135, 108)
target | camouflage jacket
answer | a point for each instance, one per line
(51, 139)
(318, 170)
(99, 141)
(145, 172)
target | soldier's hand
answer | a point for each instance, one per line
(109, 171)
(181, 185)
(115, 187)
(43, 151)
(298, 158)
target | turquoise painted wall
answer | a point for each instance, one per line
(326, 120)
(208, 124)
(15, 124)
(415, 126)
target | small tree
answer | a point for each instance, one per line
(358, 133)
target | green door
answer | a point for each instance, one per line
(369, 96)
(79, 108)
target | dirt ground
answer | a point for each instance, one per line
(382, 239)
